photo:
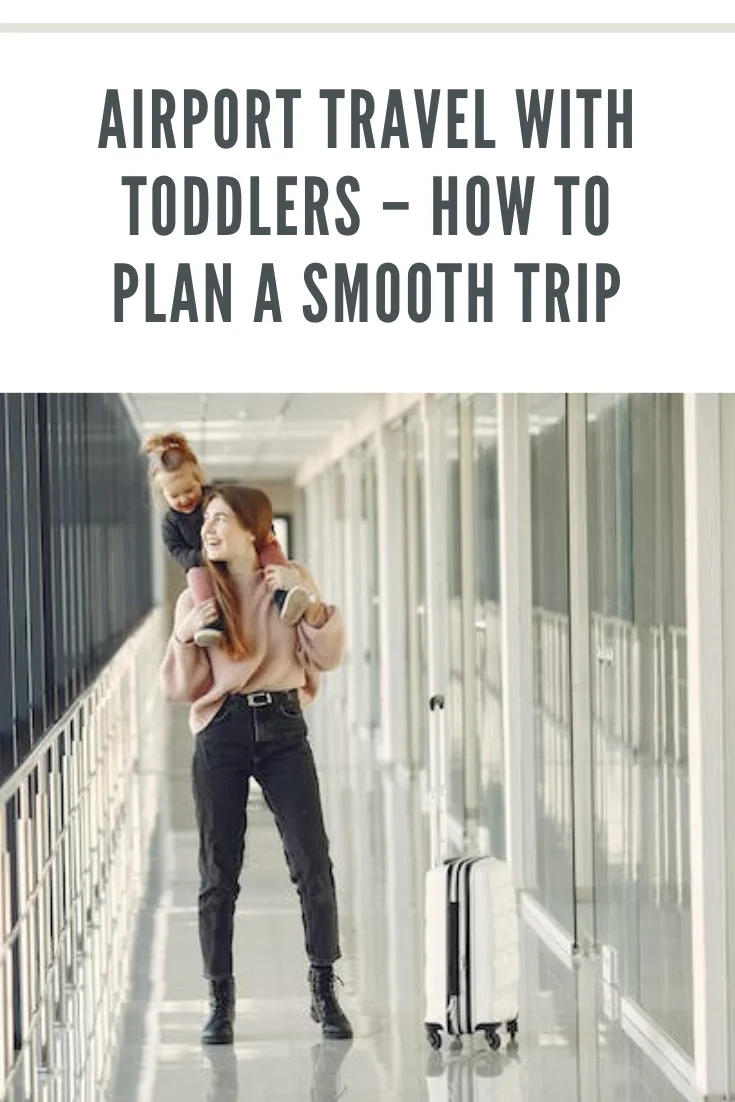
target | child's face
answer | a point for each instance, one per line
(181, 489)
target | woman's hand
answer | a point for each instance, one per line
(197, 618)
(283, 577)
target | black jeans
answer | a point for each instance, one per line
(269, 743)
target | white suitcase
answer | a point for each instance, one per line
(471, 921)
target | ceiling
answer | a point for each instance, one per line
(267, 434)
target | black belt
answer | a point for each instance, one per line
(264, 697)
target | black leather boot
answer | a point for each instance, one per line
(218, 1027)
(324, 1005)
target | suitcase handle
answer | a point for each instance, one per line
(437, 781)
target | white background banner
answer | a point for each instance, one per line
(67, 217)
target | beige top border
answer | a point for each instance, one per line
(367, 28)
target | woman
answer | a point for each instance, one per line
(246, 716)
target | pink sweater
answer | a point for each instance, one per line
(283, 657)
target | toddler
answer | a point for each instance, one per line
(177, 477)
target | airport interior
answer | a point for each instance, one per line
(558, 568)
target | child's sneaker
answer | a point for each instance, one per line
(211, 635)
(295, 604)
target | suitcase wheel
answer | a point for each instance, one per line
(434, 1036)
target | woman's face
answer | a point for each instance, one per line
(223, 536)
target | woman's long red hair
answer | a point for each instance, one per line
(254, 511)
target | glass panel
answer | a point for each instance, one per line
(336, 491)
(19, 535)
(395, 470)
(639, 700)
(488, 680)
(552, 711)
(323, 504)
(414, 475)
(7, 755)
(34, 567)
(369, 551)
(451, 519)
(54, 523)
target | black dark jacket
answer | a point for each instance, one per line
(182, 534)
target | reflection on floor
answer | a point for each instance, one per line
(567, 1051)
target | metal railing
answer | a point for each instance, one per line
(74, 834)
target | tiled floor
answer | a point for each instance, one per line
(567, 1051)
